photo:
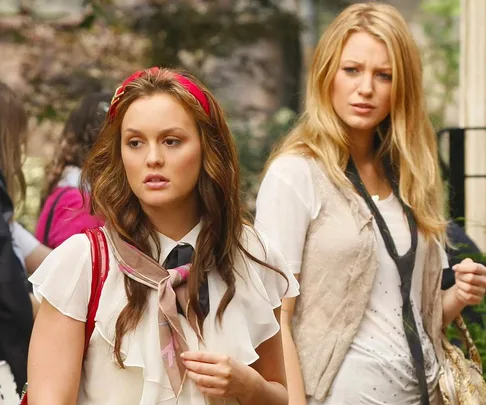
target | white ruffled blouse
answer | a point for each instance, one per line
(64, 279)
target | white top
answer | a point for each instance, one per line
(247, 322)
(8, 388)
(71, 176)
(23, 241)
(378, 365)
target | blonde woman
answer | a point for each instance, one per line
(353, 199)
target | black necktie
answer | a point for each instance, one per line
(179, 256)
(405, 265)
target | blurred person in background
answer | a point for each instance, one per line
(63, 212)
(19, 250)
(16, 312)
(13, 138)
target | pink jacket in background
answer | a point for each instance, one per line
(69, 216)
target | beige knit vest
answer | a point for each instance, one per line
(338, 269)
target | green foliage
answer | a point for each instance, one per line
(210, 31)
(479, 334)
(440, 26)
(254, 151)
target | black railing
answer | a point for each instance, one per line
(455, 171)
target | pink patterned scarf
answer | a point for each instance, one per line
(171, 286)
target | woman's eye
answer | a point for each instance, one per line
(172, 142)
(350, 70)
(385, 76)
(134, 144)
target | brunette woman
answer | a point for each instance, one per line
(189, 311)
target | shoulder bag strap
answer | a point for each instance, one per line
(100, 268)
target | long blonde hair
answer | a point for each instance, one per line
(407, 136)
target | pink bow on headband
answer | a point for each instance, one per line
(189, 85)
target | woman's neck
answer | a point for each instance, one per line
(362, 148)
(174, 222)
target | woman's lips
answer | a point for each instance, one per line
(362, 108)
(155, 182)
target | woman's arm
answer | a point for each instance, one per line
(55, 358)
(469, 289)
(34, 259)
(35, 305)
(30, 249)
(270, 384)
(295, 381)
(452, 307)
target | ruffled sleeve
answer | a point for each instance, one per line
(64, 278)
(278, 282)
(249, 319)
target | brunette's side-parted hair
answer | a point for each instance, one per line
(13, 137)
(222, 214)
(406, 136)
(77, 138)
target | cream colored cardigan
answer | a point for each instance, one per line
(338, 269)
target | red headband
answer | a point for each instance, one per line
(189, 85)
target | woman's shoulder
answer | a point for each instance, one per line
(74, 252)
(64, 277)
(298, 170)
(291, 165)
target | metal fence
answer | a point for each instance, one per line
(454, 169)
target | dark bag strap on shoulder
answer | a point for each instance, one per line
(405, 265)
(50, 216)
(99, 270)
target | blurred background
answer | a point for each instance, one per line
(253, 54)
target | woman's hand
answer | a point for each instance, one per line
(217, 375)
(470, 284)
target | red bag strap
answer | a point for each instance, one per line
(100, 268)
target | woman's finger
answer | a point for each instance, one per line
(202, 380)
(212, 392)
(468, 298)
(471, 278)
(205, 368)
(470, 267)
(470, 288)
(205, 357)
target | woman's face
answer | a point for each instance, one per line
(361, 92)
(161, 152)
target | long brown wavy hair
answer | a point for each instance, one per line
(222, 215)
(13, 137)
(77, 138)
